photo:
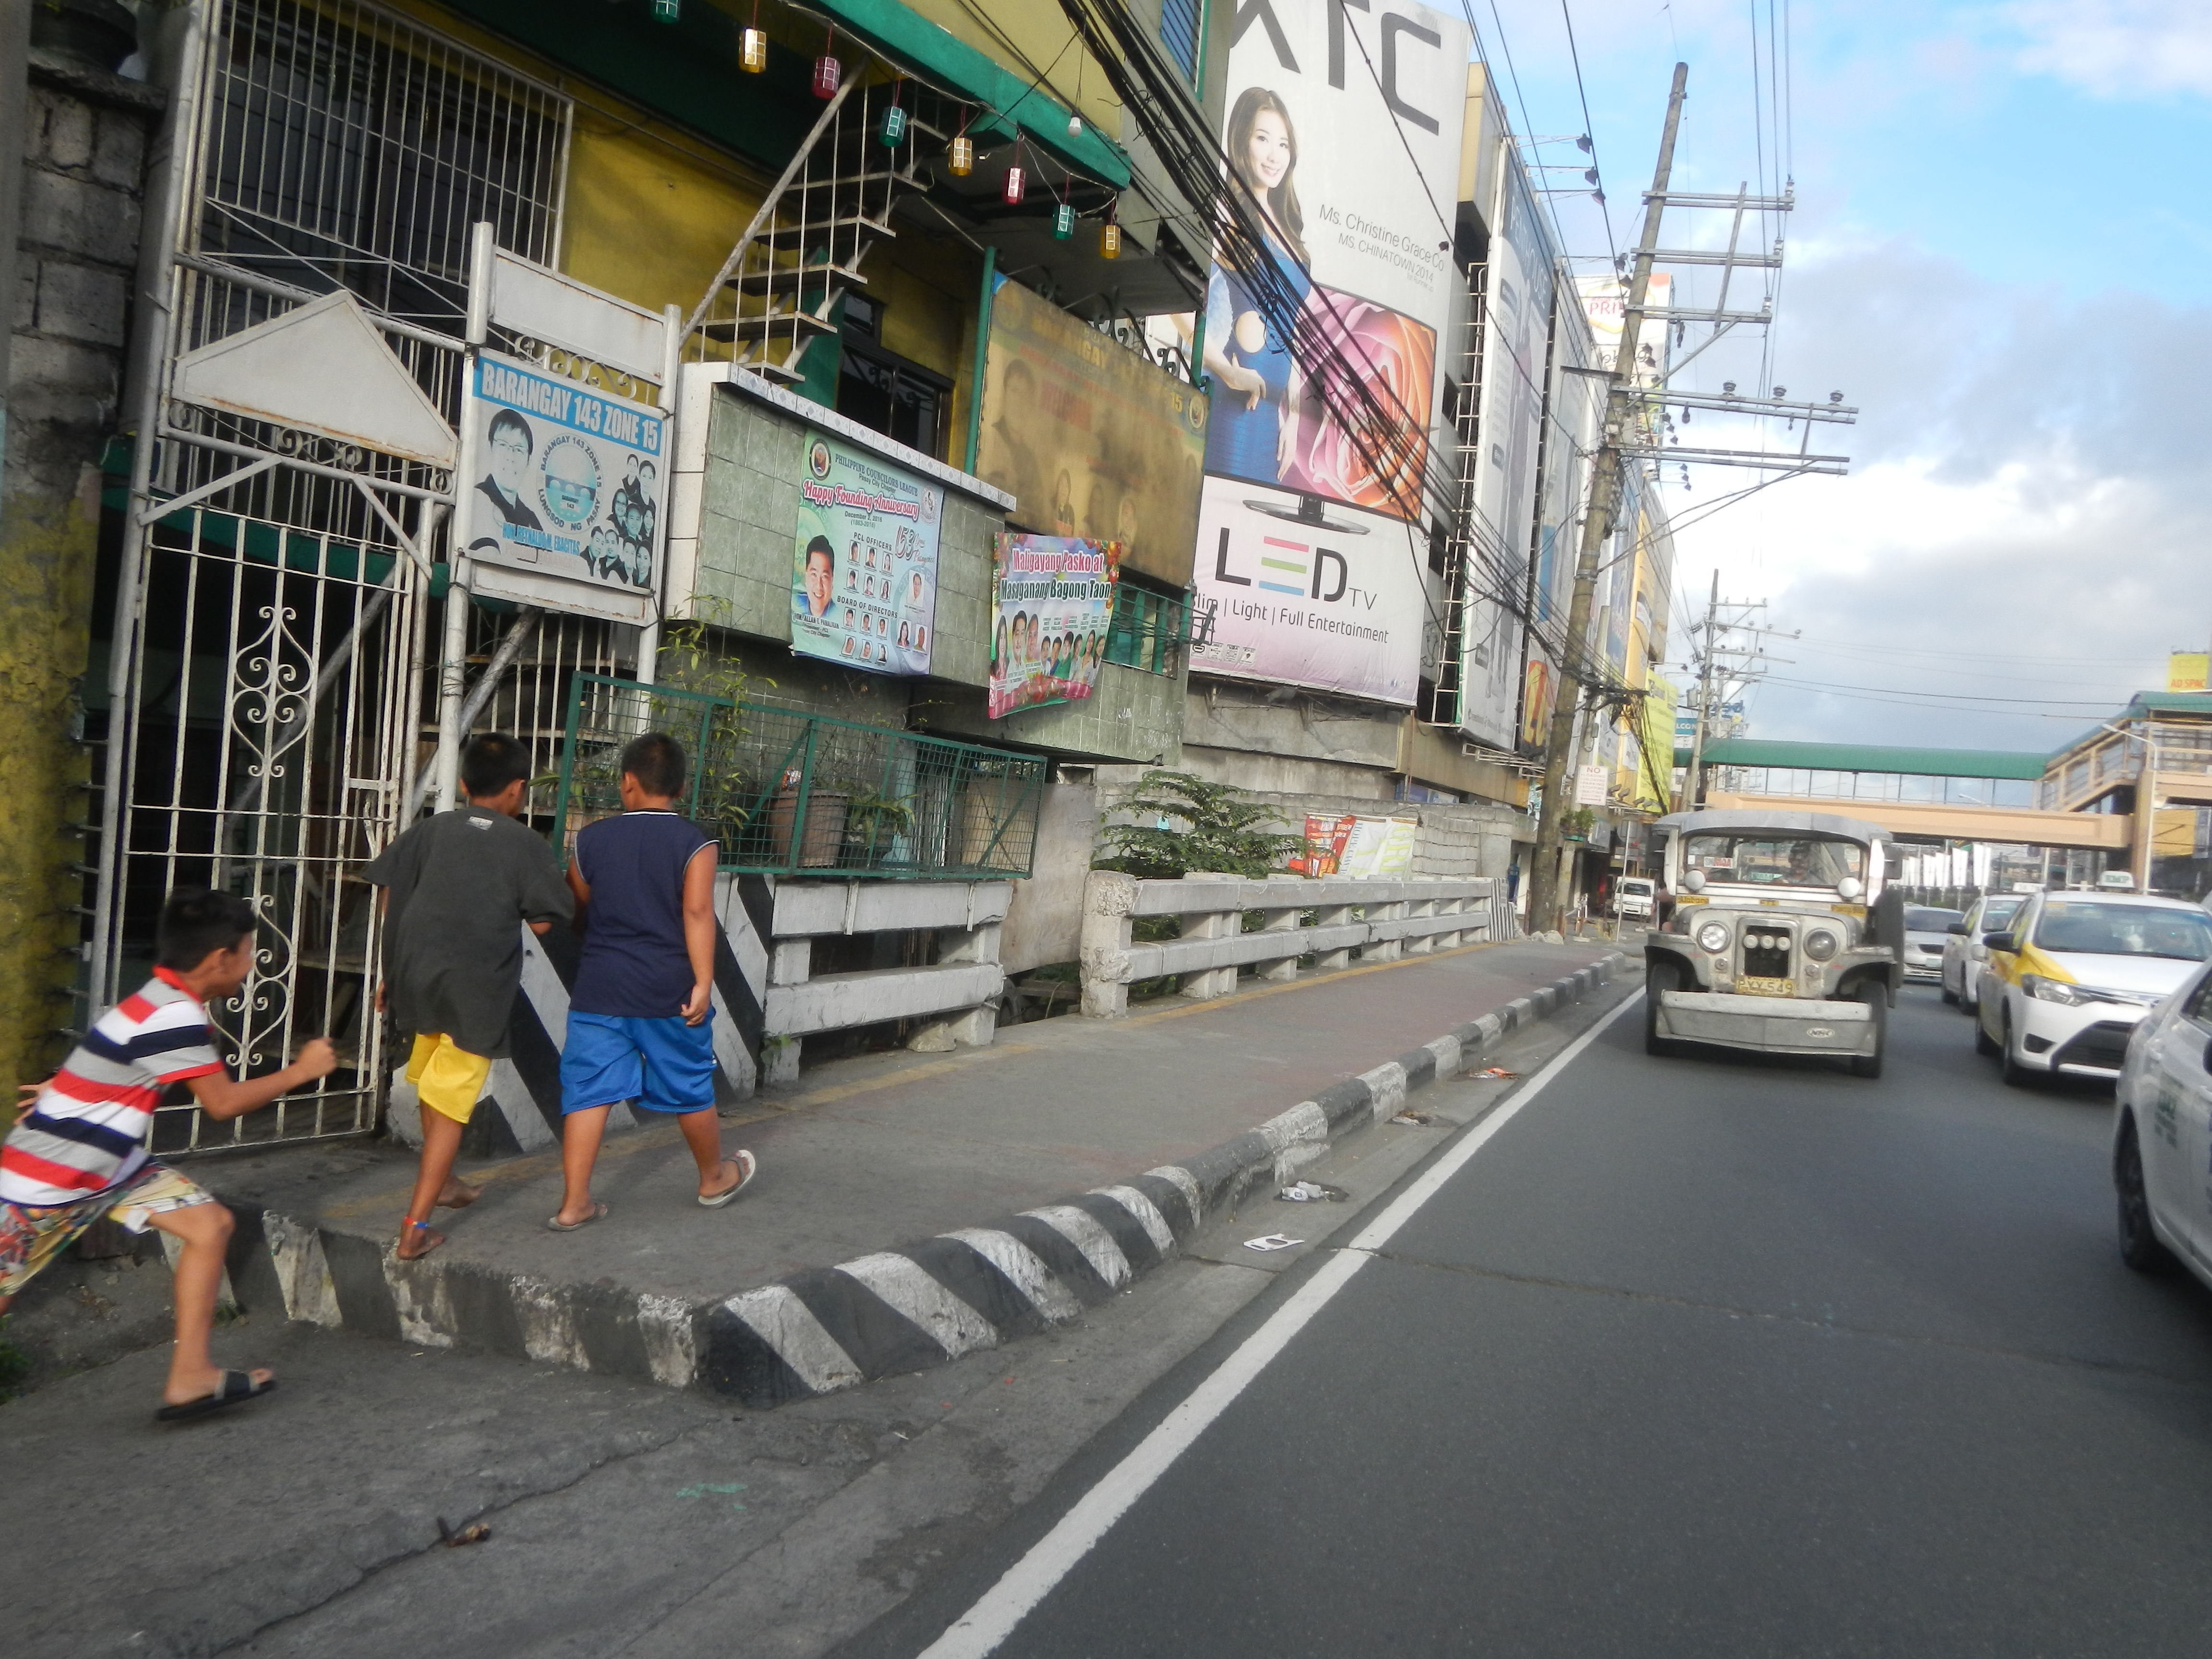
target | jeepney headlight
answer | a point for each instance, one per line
(1713, 936)
(1820, 945)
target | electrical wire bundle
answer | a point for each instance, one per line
(1376, 427)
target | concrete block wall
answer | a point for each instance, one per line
(85, 139)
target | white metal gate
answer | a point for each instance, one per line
(266, 709)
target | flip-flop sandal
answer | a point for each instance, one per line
(235, 1387)
(553, 1223)
(748, 1166)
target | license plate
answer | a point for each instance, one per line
(1754, 984)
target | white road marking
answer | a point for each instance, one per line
(979, 1629)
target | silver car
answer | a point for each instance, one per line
(1964, 956)
(1927, 930)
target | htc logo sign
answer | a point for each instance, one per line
(1394, 28)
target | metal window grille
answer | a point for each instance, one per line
(790, 793)
(275, 713)
(1148, 630)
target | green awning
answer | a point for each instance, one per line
(931, 53)
(688, 71)
(1871, 757)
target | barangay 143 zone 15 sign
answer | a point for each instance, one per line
(566, 506)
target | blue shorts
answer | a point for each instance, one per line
(657, 1065)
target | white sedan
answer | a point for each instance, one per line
(2162, 1135)
(2072, 973)
(1964, 953)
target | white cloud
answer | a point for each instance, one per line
(2118, 48)
(2026, 517)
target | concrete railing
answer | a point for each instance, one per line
(963, 985)
(1394, 918)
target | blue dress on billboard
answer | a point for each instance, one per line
(1239, 442)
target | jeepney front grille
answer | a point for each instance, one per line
(1765, 953)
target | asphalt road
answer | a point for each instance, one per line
(1701, 1356)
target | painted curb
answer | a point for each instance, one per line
(885, 1314)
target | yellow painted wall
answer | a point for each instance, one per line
(1039, 32)
(45, 603)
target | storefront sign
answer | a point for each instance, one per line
(569, 494)
(1052, 599)
(1089, 438)
(864, 564)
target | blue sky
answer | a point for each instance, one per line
(2003, 255)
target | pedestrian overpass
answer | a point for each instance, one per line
(1922, 794)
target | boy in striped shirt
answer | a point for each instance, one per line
(79, 1152)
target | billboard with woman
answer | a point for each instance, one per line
(1344, 127)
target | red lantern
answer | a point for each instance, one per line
(829, 74)
(1017, 185)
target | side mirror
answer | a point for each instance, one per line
(1959, 927)
(2001, 941)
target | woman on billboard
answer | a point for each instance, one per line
(1250, 434)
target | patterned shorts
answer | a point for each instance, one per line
(31, 1238)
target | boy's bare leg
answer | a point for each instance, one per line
(441, 1144)
(204, 1230)
(702, 1133)
(581, 1134)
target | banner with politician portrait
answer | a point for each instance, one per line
(863, 565)
(1052, 602)
(566, 505)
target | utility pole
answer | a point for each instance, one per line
(1597, 525)
(1705, 703)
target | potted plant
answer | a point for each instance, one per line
(872, 822)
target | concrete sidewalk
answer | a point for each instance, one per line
(813, 1280)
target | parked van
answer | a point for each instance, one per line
(1633, 897)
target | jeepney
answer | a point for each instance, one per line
(1783, 938)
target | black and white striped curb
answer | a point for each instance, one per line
(886, 1314)
(904, 1311)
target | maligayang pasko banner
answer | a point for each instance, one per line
(1052, 598)
(1344, 124)
(571, 487)
(864, 566)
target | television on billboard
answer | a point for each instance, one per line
(1344, 124)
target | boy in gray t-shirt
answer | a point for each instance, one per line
(457, 887)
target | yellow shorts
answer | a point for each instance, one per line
(448, 1078)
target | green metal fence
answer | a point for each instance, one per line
(791, 793)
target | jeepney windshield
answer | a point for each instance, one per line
(1774, 860)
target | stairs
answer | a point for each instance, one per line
(778, 291)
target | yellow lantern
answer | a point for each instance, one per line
(960, 159)
(1109, 240)
(753, 52)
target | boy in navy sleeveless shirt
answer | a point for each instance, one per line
(640, 1013)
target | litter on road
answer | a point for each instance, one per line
(1272, 1242)
(1415, 1120)
(474, 1532)
(1311, 1192)
(1498, 1072)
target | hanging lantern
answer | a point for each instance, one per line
(960, 157)
(1075, 126)
(667, 11)
(1017, 186)
(894, 124)
(1063, 223)
(1109, 240)
(753, 52)
(829, 73)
